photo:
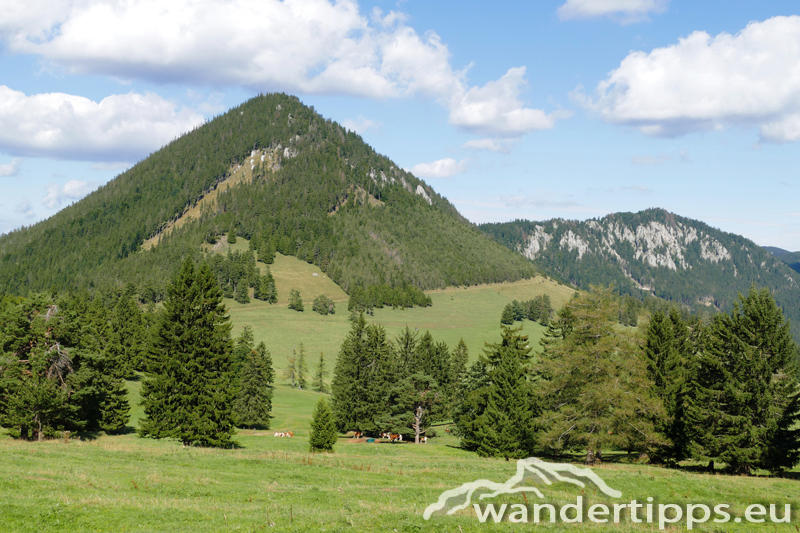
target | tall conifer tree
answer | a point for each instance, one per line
(748, 402)
(323, 428)
(189, 394)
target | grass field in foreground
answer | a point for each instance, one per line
(472, 313)
(130, 484)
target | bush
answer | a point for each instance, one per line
(323, 305)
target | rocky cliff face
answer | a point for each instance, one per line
(653, 252)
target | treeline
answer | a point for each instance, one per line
(333, 202)
(64, 360)
(377, 296)
(398, 387)
(237, 273)
(538, 309)
(726, 391)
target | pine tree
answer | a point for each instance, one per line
(189, 394)
(748, 402)
(318, 384)
(295, 302)
(232, 235)
(323, 428)
(254, 398)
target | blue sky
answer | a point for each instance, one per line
(569, 108)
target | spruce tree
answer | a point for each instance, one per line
(507, 318)
(242, 293)
(302, 369)
(189, 393)
(254, 398)
(323, 428)
(670, 355)
(126, 338)
(470, 405)
(318, 384)
(748, 402)
(459, 359)
(413, 404)
(506, 428)
(365, 370)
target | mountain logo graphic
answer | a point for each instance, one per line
(453, 500)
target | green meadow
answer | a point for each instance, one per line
(129, 484)
(469, 313)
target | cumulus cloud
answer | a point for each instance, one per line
(624, 11)
(119, 127)
(502, 146)
(298, 46)
(25, 208)
(443, 168)
(72, 190)
(710, 83)
(10, 169)
(360, 125)
(496, 108)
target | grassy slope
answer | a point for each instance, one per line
(471, 313)
(126, 483)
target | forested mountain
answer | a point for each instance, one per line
(656, 253)
(790, 258)
(307, 186)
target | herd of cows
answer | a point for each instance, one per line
(391, 437)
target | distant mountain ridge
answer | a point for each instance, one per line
(275, 171)
(654, 252)
(790, 258)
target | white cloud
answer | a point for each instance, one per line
(710, 83)
(10, 169)
(443, 168)
(25, 208)
(496, 108)
(297, 46)
(360, 125)
(502, 146)
(624, 11)
(72, 190)
(119, 127)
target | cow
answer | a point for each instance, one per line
(423, 440)
(358, 434)
(283, 434)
